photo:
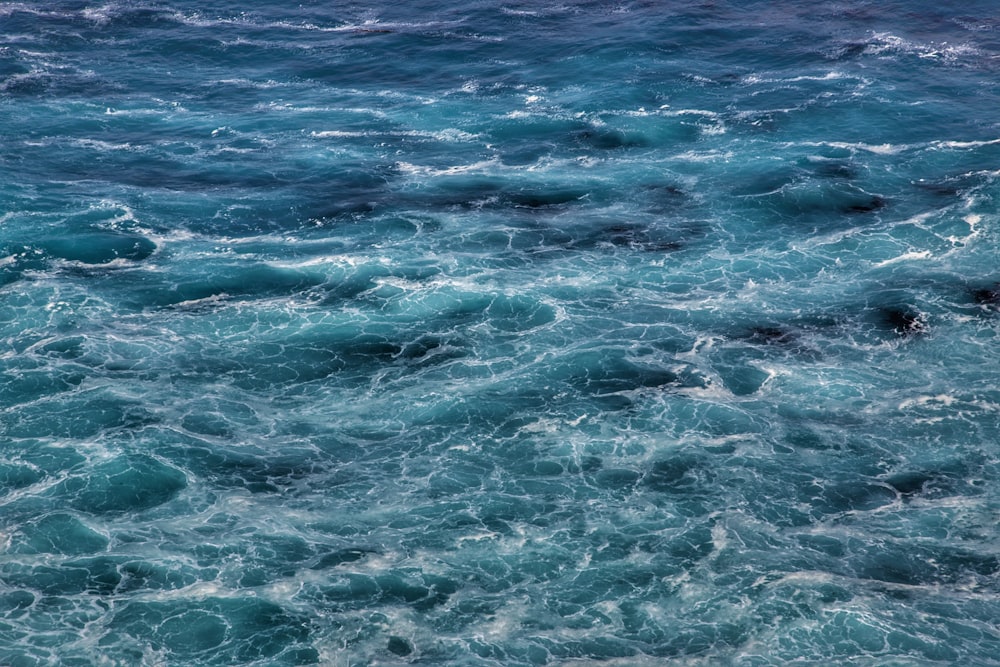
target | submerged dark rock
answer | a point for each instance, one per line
(987, 296)
(903, 320)
(399, 646)
(541, 199)
(771, 335)
(940, 189)
(873, 204)
(850, 51)
(608, 139)
(910, 483)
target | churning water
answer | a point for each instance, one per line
(482, 333)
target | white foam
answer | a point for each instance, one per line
(352, 261)
(450, 134)
(944, 400)
(517, 114)
(688, 112)
(291, 108)
(198, 20)
(97, 144)
(109, 111)
(879, 149)
(518, 12)
(964, 144)
(263, 85)
(698, 78)
(888, 43)
(99, 15)
(907, 256)
(422, 170)
(541, 11)
(705, 156)
(117, 263)
(895, 149)
(829, 76)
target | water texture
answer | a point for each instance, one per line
(480, 333)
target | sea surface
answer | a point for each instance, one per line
(499, 333)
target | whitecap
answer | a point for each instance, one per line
(906, 256)
(879, 149)
(964, 144)
(688, 112)
(262, 85)
(518, 12)
(100, 15)
(834, 75)
(111, 111)
(100, 145)
(882, 43)
(291, 108)
(704, 156)
(942, 400)
(451, 135)
(197, 19)
(424, 170)
(537, 11)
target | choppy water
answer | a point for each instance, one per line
(475, 333)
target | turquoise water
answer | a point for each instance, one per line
(499, 333)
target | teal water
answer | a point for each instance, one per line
(499, 334)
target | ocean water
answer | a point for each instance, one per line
(499, 333)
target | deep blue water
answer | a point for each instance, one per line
(481, 333)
